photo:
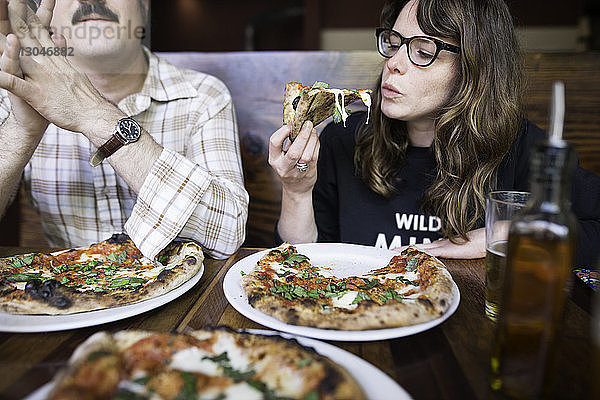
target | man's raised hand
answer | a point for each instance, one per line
(50, 84)
(23, 114)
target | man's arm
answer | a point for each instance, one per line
(198, 195)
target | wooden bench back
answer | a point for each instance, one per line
(257, 80)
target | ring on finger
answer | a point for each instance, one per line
(301, 166)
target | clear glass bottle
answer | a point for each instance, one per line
(541, 249)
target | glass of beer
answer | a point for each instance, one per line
(499, 209)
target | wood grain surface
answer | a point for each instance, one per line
(450, 361)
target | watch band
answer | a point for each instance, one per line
(107, 149)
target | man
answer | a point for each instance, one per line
(174, 170)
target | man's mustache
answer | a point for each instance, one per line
(93, 8)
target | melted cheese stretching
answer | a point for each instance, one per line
(339, 105)
(366, 99)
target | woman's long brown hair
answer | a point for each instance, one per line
(475, 129)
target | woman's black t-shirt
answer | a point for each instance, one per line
(347, 210)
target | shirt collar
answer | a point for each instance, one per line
(164, 82)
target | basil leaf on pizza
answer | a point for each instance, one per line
(414, 287)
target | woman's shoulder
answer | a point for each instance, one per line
(513, 171)
(528, 136)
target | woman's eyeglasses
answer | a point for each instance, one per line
(421, 50)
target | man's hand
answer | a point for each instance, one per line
(22, 113)
(50, 84)
(473, 248)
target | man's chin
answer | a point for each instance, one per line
(97, 49)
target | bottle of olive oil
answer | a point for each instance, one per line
(540, 255)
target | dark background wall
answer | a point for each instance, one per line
(231, 25)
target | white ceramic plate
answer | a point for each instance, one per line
(375, 383)
(47, 323)
(345, 260)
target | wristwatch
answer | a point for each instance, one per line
(127, 131)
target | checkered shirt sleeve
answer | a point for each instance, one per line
(200, 194)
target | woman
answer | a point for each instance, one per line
(447, 127)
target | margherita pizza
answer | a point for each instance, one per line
(414, 287)
(107, 274)
(206, 364)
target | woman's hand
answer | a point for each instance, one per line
(297, 220)
(304, 150)
(473, 248)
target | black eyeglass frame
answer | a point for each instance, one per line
(439, 45)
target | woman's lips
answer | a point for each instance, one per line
(390, 91)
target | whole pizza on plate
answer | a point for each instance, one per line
(412, 288)
(207, 364)
(107, 274)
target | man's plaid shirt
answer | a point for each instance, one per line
(194, 190)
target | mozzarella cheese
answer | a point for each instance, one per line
(340, 105)
(237, 359)
(84, 258)
(366, 99)
(345, 301)
(148, 274)
(242, 391)
(191, 360)
(411, 276)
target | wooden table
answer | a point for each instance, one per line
(449, 361)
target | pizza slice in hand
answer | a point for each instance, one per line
(318, 102)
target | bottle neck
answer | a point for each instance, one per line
(552, 168)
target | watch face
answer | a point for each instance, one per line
(129, 129)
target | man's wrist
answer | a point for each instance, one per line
(11, 124)
(101, 128)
